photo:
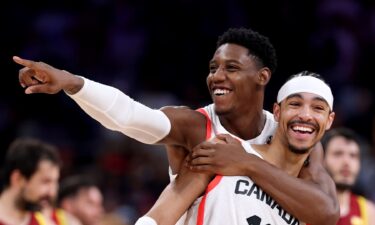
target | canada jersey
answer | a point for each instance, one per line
(358, 212)
(237, 199)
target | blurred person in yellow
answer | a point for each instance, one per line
(342, 148)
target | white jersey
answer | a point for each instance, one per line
(237, 200)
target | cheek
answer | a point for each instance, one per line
(332, 164)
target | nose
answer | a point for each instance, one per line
(305, 113)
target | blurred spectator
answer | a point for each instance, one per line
(342, 160)
(30, 178)
(81, 196)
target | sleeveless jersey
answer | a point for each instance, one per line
(357, 213)
(238, 200)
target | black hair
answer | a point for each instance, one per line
(70, 186)
(257, 44)
(344, 132)
(25, 154)
(307, 73)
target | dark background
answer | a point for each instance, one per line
(157, 52)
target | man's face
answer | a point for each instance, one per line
(303, 119)
(342, 160)
(41, 189)
(233, 77)
(87, 205)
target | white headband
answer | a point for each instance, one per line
(306, 84)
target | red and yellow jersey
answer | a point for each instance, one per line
(59, 217)
(357, 213)
(35, 218)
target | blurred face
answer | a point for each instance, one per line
(303, 119)
(87, 205)
(342, 161)
(41, 189)
(233, 78)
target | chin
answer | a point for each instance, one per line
(299, 149)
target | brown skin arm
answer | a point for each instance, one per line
(177, 197)
(316, 188)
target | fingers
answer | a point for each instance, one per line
(227, 139)
(25, 77)
(40, 88)
(25, 62)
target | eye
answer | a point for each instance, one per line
(319, 108)
(232, 68)
(294, 103)
(212, 68)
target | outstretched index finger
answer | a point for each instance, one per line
(25, 62)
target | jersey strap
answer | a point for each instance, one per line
(215, 181)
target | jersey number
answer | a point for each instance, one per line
(254, 220)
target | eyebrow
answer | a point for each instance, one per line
(226, 61)
(297, 95)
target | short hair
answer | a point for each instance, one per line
(257, 44)
(306, 73)
(71, 185)
(344, 132)
(25, 154)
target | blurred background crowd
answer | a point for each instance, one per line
(158, 52)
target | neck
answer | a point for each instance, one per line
(282, 157)
(344, 201)
(246, 124)
(9, 212)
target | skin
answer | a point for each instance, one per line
(232, 70)
(342, 160)
(40, 187)
(87, 205)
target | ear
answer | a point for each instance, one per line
(264, 76)
(16, 178)
(276, 111)
(331, 118)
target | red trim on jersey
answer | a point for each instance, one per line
(208, 123)
(215, 181)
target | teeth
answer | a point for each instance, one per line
(302, 129)
(221, 91)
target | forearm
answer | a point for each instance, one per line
(294, 194)
(117, 111)
(177, 197)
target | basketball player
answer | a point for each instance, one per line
(304, 111)
(239, 71)
(342, 160)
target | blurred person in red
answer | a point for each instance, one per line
(82, 197)
(342, 159)
(30, 178)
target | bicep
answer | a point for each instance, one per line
(188, 127)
